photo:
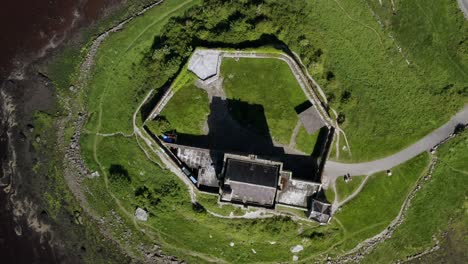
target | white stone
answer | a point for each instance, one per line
(231, 244)
(141, 214)
(94, 174)
(295, 258)
(297, 249)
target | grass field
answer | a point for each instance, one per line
(188, 109)
(344, 189)
(379, 202)
(267, 82)
(306, 142)
(390, 103)
(438, 206)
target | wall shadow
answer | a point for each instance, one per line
(239, 127)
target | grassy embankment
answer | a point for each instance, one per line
(387, 103)
(438, 207)
(379, 202)
(64, 212)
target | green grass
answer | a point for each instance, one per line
(269, 83)
(119, 78)
(178, 227)
(380, 201)
(210, 202)
(188, 109)
(306, 142)
(392, 104)
(381, 83)
(291, 211)
(330, 195)
(440, 202)
(344, 189)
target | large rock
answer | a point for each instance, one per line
(141, 214)
(297, 249)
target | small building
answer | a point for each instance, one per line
(311, 120)
(320, 212)
(249, 180)
(204, 63)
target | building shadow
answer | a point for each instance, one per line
(239, 127)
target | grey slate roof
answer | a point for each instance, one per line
(320, 211)
(311, 120)
(252, 172)
(250, 182)
(249, 193)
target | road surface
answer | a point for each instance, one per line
(463, 4)
(333, 169)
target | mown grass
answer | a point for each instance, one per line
(344, 189)
(269, 83)
(391, 104)
(188, 109)
(440, 202)
(306, 142)
(379, 201)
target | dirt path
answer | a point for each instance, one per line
(292, 141)
(337, 203)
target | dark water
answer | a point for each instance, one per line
(28, 26)
(30, 29)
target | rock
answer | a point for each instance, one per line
(297, 249)
(295, 258)
(72, 88)
(231, 244)
(30, 127)
(141, 214)
(94, 174)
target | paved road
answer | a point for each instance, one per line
(335, 169)
(463, 4)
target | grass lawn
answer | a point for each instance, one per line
(188, 109)
(439, 204)
(344, 189)
(269, 83)
(379, 202)
(306, 142)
